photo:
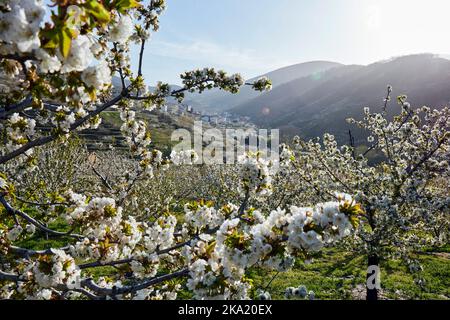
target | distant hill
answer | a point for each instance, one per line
(312, 98)
(218, 100)
(316, 104)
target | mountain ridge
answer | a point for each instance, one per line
(217, 100)
(311, 107)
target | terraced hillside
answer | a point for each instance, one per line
(161, 126)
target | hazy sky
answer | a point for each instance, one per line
(257, 36)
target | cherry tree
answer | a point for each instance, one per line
(55, 80)
(404, 196)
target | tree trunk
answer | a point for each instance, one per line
(372, 292)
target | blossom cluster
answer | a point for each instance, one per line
(184, 157)
(20, 24)
(19, 130)
(251, 238)
(58, 268)
(257, 173)
(262, 84)
(223, 243)
(122, 29)
(299, 292)
(209, 78)
(138, 138)
(107, 235)
(42, 277)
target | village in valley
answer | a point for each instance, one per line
(217, 120)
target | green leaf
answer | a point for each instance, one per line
(98, 11)
(123, 5)
(354, 221)
(210, 248)
(65, 40)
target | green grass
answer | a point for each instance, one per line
(112, 118)
(436, 274)
(161, 138)
(39, 242)
(335, 275)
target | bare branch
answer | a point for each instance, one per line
(9, 110)
(29, 253)
(90, 284)
(4, 276)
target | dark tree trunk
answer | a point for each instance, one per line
(372, 293)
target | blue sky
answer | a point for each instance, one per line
(257, 36)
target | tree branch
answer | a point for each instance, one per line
(46, 139)
(90, 284)
(9, 110)
(23, 215)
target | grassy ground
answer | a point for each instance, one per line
(338, 275)
(112, 117)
